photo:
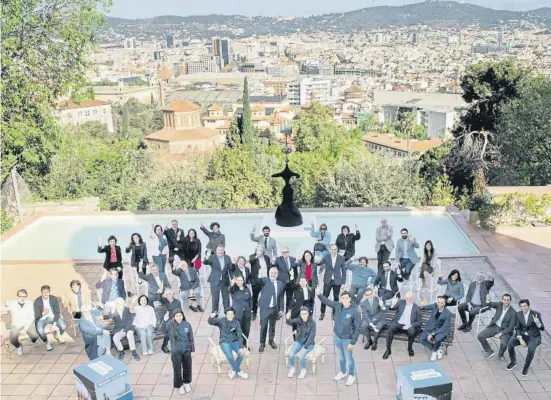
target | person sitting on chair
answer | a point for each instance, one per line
(528, 329)
(231, 340)
(362, 276)
(429, 260)
(454, 287)
(75, 299)
(189, 282)
(112, 287)
(22, 320)
(157, 282)
(476, 298)
(501, 326)
(408, 318)
(405, 253)
(373, 312)
(123, 327)
(323, 238)
(47, 313)
(97, 340)
(436, 328)
(305, 340)
(387, 281)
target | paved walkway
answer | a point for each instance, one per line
(42, 375)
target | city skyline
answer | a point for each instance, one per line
(140, 9)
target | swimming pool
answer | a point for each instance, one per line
(76, 237)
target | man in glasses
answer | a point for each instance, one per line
(22, 320)
(287, 274)
(334, 278)
(373, 318)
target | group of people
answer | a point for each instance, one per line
(270, 286)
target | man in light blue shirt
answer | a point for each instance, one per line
(405, 253)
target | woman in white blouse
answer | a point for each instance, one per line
(145, 322)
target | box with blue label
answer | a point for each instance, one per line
(426, 381)
(103, 379)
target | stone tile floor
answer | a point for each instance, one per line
(49, 375)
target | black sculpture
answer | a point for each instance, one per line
(287, 213)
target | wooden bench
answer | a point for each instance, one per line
(159, 332)
(389, 316)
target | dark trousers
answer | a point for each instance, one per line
(396, 327)
(406, 266)
(532, 343)
(385, 295)
(215, 293)
(137, 266)
(91, 347)
(268, 317)
(172, 253)
(382, 256)
(463, 310)
(366, 330)
(327, 287)
(489, 332)
(245, 322)
(453, 302)
(181, 363)
(289, 289)
(256, 293)
(438, 338)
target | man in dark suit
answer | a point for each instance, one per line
(189, 282)
(373, 318)
(528, 328)
(501, 326)
(157, 282)
(122, 328)
(288, 274)
(436, 328)
(175, 238)
(476, 298)
(219, 279)
(387, 281)
(334, 277)
(47, 312)
(407, 318)
(111, 287)
(260, 266)
(271, 306)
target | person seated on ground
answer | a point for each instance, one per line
(436, 328)
(429, 260)
(387, 280)
(362, 276)
(454, 287)
(241, 298)
(216, 238)
(500, 327)
(97, 339)
(303, 296)
(189, 282)
(475, 301)
(322, 237)
(528, 329)
(305, 340)
(170, 305)
(113, 255)
(405, 253)
(231, 339)
(75, 299)
(240, 267)
(123, 327)
(111, 287)
(346, 331)
(373, 313)
(47, 312)
(145, 322)
(22, 320)
(407, 319)
(346, 241)
(157, 282)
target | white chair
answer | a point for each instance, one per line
(318, 351)
(431, 286)
(486, 313)
(217, 356)
(411, 284)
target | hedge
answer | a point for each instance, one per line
(516, 209)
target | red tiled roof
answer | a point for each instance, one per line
(182, 135)
(181, 105)
(64, 105)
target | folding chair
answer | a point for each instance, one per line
(217, 355)
(318, 351)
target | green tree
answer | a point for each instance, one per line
(233, 134)
(314, 128)
(407, 125)
(44, 44)
(433, 162)
(247, 129)
(6, 222)
(442, 192)
(524, 139)
(125, 126)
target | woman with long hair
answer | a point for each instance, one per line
(428, 262)
(145, 322)
(454, 287)
(138, 251)
(307, 268)
(182, 345)
(240, 267)
(304, 343)
(192, 249)
(241, 299)
(323, 239)
(303, 296)
(159, 246)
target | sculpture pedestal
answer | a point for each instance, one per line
(297, 238)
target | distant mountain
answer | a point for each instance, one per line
(443, 13)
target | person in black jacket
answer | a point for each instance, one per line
(241, 298)
(346, 241)
(475, 300)
(231, 340)
(182, 345)
(123, 327)
(219, 278)
(174, 237)
(113, 255)
(387, 281)
(303, 297)
(170, 305)
(139, 252)
(192, 249)
(47, 312)
(189, 282)
(305, 340)
(408, 318)
(501, 326)
(260, 265)
(240, 267)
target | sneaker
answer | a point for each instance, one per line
(200, 309)
(182, 390)
(302, 374)
(433, 356)
(243, 375)
(439, 355)
(49, 346)
(20, 351)
(525, 371)
(231, 374)
(339, 376)
(350, 381)
(511, 365)
(291, 372)
(187, 387)
(121, 355)
(135, 355)
(150, 352)
(489, 354)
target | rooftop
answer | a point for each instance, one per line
(432, 101)
(181, 105)
(182, 135)
(392, 142)
(69, 104)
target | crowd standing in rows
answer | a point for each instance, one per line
(268, 286)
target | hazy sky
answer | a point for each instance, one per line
(149, 8)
